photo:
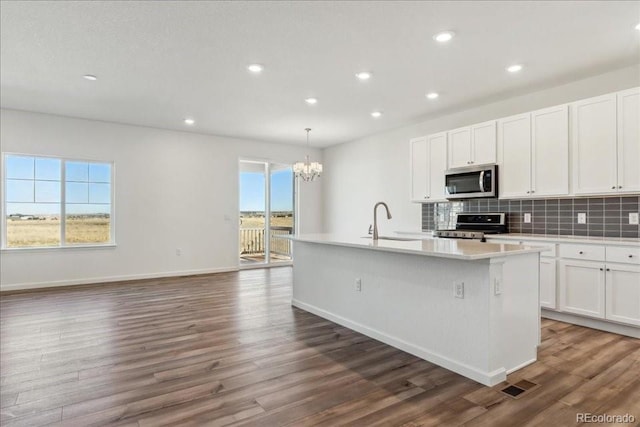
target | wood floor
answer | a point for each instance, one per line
(228, 349)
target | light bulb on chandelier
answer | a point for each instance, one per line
(307, 170)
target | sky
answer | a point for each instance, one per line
(33, 186)
(252, 191)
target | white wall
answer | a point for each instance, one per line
(172, 190)
(362, 172)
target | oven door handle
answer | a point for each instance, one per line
(481, 182)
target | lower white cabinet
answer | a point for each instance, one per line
(548, 283)
(623, 293)
(582, 288)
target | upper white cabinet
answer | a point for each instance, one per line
(473, 145)
(514, 158)
(428, 163)
(550, 151)
(606, 143)
(418, 155)
(629, 140)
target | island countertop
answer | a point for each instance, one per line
(434, 247)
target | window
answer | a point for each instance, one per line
(56, 202)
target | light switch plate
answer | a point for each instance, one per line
(527, 218)
(633, 218)
(582, 218)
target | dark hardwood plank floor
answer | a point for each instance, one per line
(228, 349)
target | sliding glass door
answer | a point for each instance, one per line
(267, 212)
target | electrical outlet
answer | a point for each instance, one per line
(527, 218)
(633, 218)
(582, 218)
(497, 286)
(178, 252)
(358, 285)
(458, 289)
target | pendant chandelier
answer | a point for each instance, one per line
(307, 170)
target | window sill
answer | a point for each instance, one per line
(57, 248)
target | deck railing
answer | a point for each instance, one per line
(252, 241)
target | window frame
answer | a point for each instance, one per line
(63, 244)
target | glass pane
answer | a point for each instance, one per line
(281, 220)
(48, 191)
(19, 190)
(19, 167)
(48, 169)
(77, 171)
(88, 223)
(77, 192)
(99, 172)
(252, 211)
(99, 193)
(33, 224)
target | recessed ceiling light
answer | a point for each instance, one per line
(444, 36)
(638, 27)
(90, 77)
(255, 68)
(514, 68)
(189, 121)
(432, 95)
(363, 75)
(376, 114)
(311, 101)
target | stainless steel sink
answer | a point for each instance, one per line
(401, 239)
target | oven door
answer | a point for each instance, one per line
(473, 182)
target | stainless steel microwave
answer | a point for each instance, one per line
(471, 182)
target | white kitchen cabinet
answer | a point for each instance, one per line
(594, 145)
(437, 164)
(428, 163)
(514, 157)
(548, 283)
(418, 158)
(550, 151)
(623, 293)
(628, 140)
(582, 289)
(473, 145)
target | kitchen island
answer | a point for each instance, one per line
(468, 306)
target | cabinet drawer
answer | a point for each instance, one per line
(627, 255)
(586, 252)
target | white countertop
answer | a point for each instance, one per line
(619, 241)
(427, 246)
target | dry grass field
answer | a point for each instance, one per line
(46, 232)
(252, 239)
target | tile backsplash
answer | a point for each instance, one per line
(605, 216)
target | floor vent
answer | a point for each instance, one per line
(519, 389)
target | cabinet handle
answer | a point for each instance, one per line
(613, 188)
(602, 269)
(619, 186)
(630, 256)
(528, 192)
(533, 191)
(582, 253)
(608, 269)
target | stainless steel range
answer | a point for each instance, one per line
(475, 226)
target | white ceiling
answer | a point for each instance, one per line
(158, 62)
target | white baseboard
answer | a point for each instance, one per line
(486, 378)
(603, 325)
(108, 279)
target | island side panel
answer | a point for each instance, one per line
(406, 301)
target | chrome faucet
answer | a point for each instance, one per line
(375, 218)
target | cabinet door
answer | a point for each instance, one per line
(483, 143)
(459, 147)
(623, 293)
(436, 165)
(548, 283)
(419, 180)
(593, 123)
(514, 142)
(629, 140)
(582, 289)
(550, 151)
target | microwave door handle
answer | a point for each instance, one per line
(481, 181)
